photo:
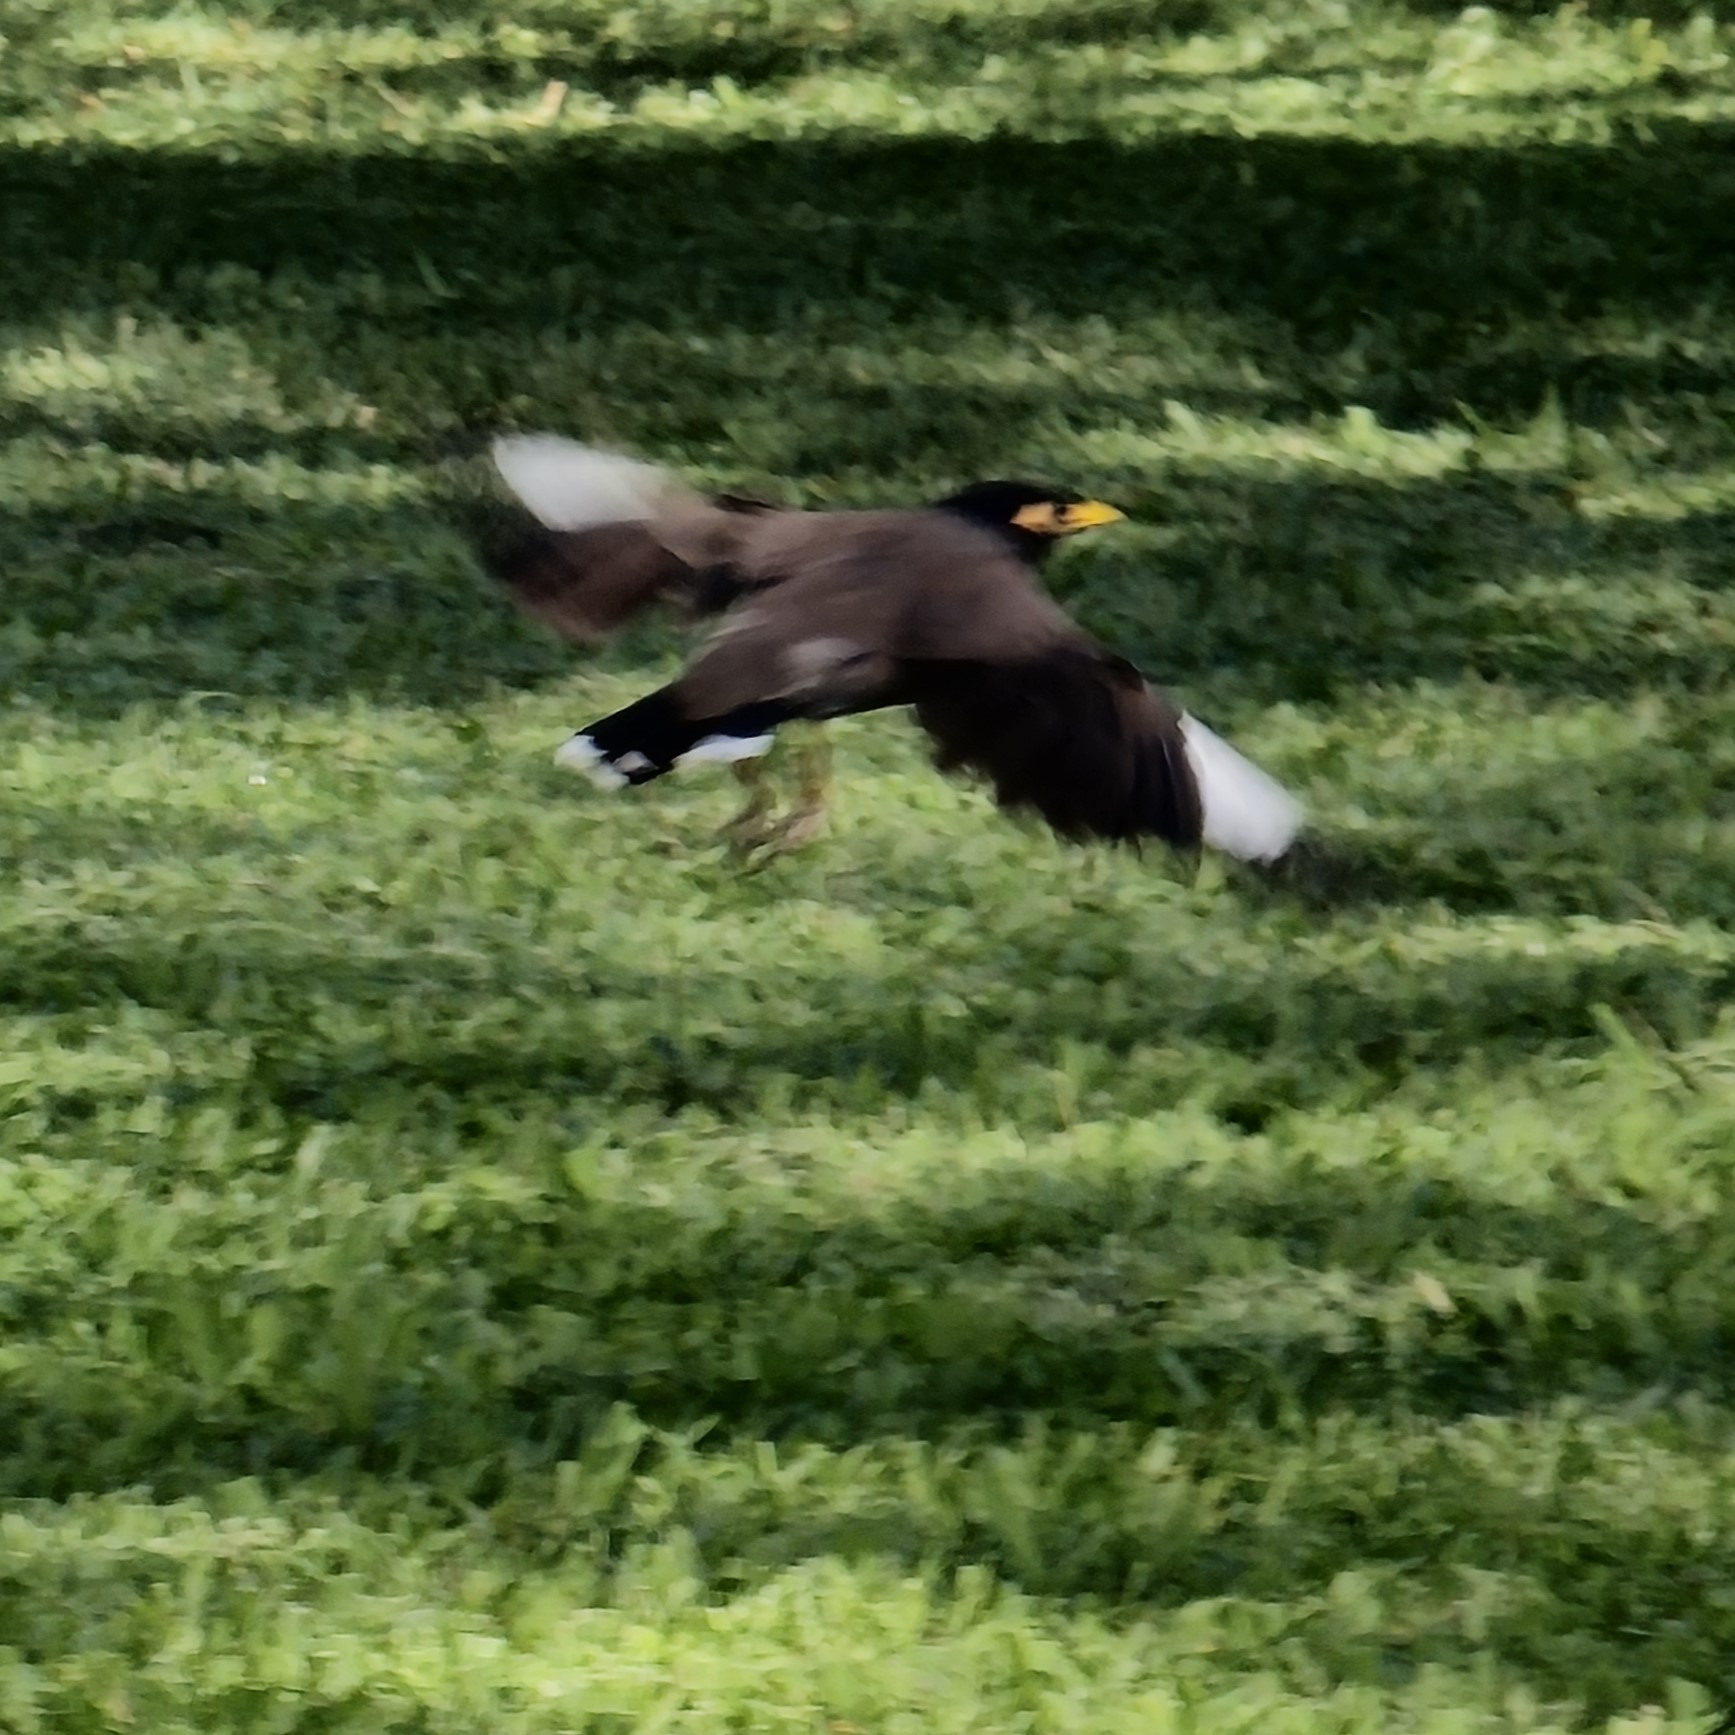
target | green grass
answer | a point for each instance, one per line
(469, 1261)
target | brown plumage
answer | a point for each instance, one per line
(1074, 736)
(826, 614)
(587, 584)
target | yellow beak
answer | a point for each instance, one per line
(1087, 515)
(1049, 519)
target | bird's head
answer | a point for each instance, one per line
(1031, 516)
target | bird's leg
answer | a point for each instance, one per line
(806, 819)
(813, 788)
(756, 822)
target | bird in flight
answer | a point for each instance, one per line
(817, 615)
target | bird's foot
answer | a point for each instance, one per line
(754, 825)
(783, 837)
(756, 821)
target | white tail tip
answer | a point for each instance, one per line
(573, 487)
(1247, 814)
(580, 753)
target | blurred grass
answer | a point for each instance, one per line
(473, 1262)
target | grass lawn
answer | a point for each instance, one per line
(471, 1262)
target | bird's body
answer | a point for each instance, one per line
(827, 614)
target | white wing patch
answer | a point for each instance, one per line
(572, 487)
(1246, 813)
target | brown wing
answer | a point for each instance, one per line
(1073, 734)
(587, 584)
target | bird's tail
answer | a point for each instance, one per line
(653, 735)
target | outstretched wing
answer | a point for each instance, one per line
(1071, 734)
(584, 584)
(1078, 736)
(606, 537)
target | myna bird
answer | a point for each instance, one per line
(829, 614)
(587, 582)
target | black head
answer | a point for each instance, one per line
(1029, 515)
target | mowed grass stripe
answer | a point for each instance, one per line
(204, 80)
